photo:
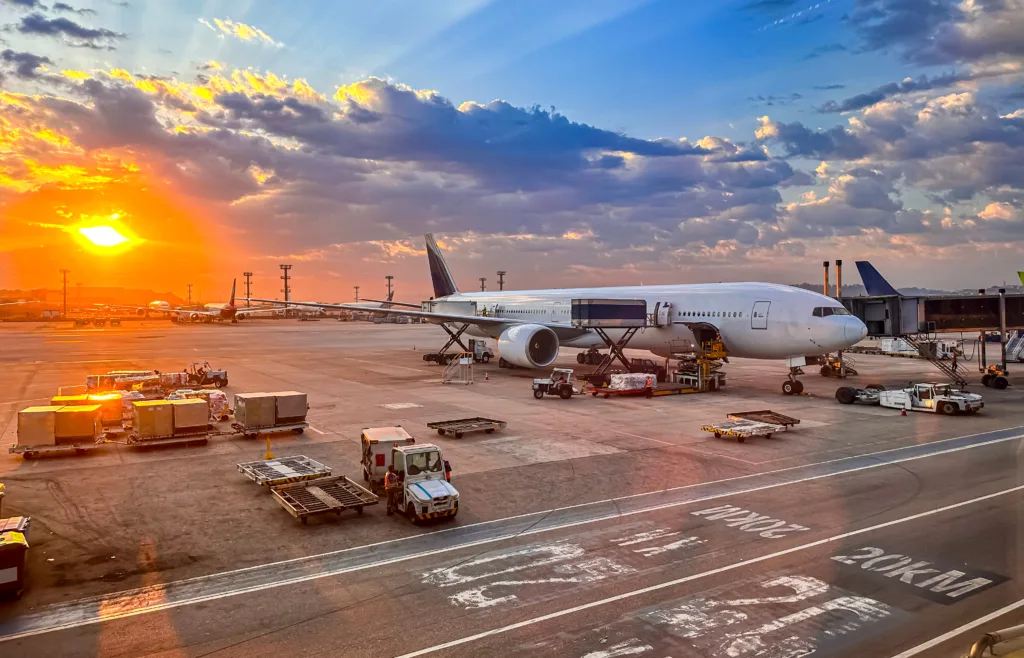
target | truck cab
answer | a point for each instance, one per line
(425, 493)
(935, 398)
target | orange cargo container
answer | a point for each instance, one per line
(37, 426)
(77, 423)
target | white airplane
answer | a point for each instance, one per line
(210, 312)
(754, 320)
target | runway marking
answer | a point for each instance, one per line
(215, 586)
(724, 456)
(924, 646)
(705, 574)
(378, 364)
(747, 521)
(645, 438)
(316, 430)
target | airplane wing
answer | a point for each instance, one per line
(493, 325)
(16, 303)
(252, 311)
(388, 304)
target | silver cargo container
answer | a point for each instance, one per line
(254, 410)
(291, 407)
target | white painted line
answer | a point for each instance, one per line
(712, 572)
(957, 631)
(316, 430)
(645, 438)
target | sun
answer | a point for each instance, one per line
(103, 236)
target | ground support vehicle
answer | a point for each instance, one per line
(837, 366)
(202, 374)
(851, 395)
(256, 432)
(460, 426)
(283, 470)
(375, 446)
(649, 367)
(196, 438)
(765, 416)
(13, 553)
(996, 377)
(423, 494)
(934, 398)
(30, 452)
(742, 429)
(322, 496)
(627, 383)
(559, 383)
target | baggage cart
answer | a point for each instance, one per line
(460, 426)
(321, 496)
(283, 470)
(80, 448)
(194, 438)
(254, 432)
(765, 416)
(742, 429)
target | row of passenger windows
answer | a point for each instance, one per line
(710, 314)
(825, 311)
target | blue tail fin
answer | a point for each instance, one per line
(440, 275)
(874, 283)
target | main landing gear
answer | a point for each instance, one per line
(793, 386)
(591, 357)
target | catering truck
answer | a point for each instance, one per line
(425, 493)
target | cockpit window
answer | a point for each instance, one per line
(825, 311)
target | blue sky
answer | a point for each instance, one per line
(688, 141)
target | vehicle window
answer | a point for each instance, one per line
(424, 462)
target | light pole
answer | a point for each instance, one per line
(483, 284)
(286, 290)
(189, 286)
(248, 282)
(64, 273)
(501, 279)
(389, 277)
(357, 292)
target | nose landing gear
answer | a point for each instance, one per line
(793, 386)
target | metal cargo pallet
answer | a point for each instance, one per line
(765, 416)
(28, 452)
(321, 496)
(199, 438)
(253, 432)
(459, 426)
(283, 470)
(741, 429)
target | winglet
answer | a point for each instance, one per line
(231, 302)
(440, 275)
(874, 283)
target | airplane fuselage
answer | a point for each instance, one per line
(755, 320)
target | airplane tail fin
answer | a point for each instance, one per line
(440, 275)
(1021, 276)
(231, 302)
(874, 283)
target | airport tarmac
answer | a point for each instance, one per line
(588, 527)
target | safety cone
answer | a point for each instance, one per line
(487, 377)
(903, 412)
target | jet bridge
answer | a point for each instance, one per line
(627, 316)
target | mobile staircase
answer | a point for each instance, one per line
(460, 370)
(947, 367)
(1015, 346)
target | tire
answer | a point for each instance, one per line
(986, 380)
(565, 392)
(846, 395)
(486, 358)
(877, 387)
(502, 363)
(538, 393)
(218, 384)
(298, 430)
(999, 383)
(441, 432)
(606, 396)
(489, 430)
(741, 439)
(947, 408)
(410, 513)
(580, 358)
(788, 387)
(594, 393)
(458, 435)
(799, 387)
(718, 435)
(826, 371)
(28, 455)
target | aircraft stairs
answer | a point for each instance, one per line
(1015, 346)
(927, 351)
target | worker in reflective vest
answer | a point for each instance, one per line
(447, 472)
(391, 487)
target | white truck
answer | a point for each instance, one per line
(425, 492)
(935, 398)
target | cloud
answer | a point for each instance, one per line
(771, 100)
(825, 49)
(25, 4)
(907, 86)
(799, 140)
(61, 6)
(26, 65)
(829, 87)
(79, 36)
(241, 31)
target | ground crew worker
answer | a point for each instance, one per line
(391, 487)
(447, 472)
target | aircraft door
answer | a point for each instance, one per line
(759, 315)
(662, 314)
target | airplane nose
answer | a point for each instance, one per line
(855, 330)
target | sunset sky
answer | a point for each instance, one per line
(578, 142)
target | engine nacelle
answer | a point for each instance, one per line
(194, 317)
(141, 312)
(528, 345)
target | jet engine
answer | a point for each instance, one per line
(141, 312)
(528, 345)
(194, 317)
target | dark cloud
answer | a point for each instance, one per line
(61, 6)
(799, 140)
(825, 49)
(771, 100)
(878, 94)
(829, 87)
(24, 4)
(25, 64)
(97, 38)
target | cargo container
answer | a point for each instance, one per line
(69, 400)
(190, 415)
(78, 389)
(37, 426)
(254, 410)
(111, 410)
(291, 407)
(78, 423)
(152, 419)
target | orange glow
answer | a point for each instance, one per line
(102, 236)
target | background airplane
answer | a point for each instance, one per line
(209, 312)
(753, 320)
